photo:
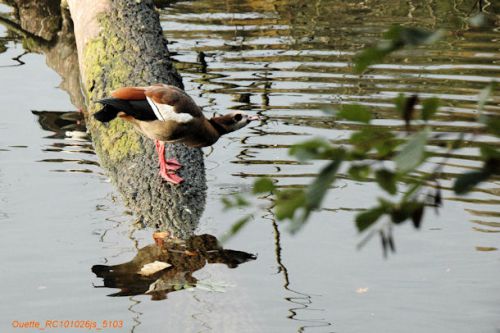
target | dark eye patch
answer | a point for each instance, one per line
(238, 117)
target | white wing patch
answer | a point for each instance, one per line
(155, 109)
(153, 267)
(165, 112)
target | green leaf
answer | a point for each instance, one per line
(355, 112)
(386, 146)
(287, 202)
(409, 36)
(400, 102)
(236, 227)
(493, 124)
(317, 190)
(233, 201)
(364, 139)
(398, 215)
(317, 148)
(417, 215)
(413, 152)
(383, 242)
(429, 108)
(438, 199)
(368, 57)
(239, 224)
(492, 166)
(488, 152)
(405, 210)
(227, 203)
(369, 217)
(412, 188)
(390, 242)
(387, 180)
(240, 201)
(372, 137)
(359, 171)
(408, 109)
(263, 185)
(299, 220)
(467, 181)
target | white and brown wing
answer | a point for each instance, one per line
(167, 102)
(171, 103)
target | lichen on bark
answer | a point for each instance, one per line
(107, 64)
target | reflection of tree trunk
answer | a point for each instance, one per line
(47, 28)
(41, 18)
(120, 43)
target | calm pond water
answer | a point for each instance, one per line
(61, 218)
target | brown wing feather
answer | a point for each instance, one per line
(173, 96)
(130, 93)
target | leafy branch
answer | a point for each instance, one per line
(377, 153)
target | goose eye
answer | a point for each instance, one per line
(238, 117)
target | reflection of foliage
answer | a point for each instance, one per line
(376, 152)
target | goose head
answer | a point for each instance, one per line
(232, 121)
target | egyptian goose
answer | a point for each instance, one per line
(167, 114)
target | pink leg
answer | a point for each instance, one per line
(167, 167)
(171, 164)
(159, 237)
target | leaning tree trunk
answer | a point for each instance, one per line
(120, 43)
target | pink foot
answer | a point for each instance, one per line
(168, 167)
(159, 237)
(173, 164)
(171, 177)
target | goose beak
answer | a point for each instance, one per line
(254, 117)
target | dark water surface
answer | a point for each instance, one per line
(286, 60)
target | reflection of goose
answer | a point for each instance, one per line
(171, 266)
(167, 114)
(63, 124)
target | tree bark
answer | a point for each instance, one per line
(121, 43)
